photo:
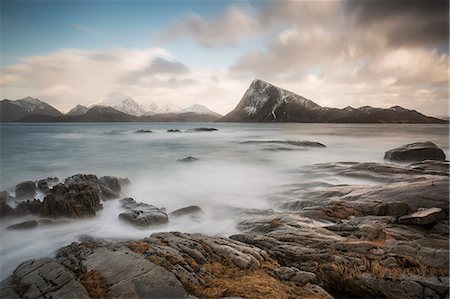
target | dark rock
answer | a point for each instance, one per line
(418, 151)
(423, 217)
(45, 184)
(33, 207)
(142, 214)
(5, 209)
(295, 275)
(110, 187)
(202, 130)
(26, 189)
(143, 131)
(173, 131)
(190, 210)
(188, 159)
(24, 225)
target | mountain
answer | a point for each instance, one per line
(122, 103)
(200, 109)
(15, 110)
(78, 110)
(264, 102)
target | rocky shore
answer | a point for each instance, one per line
(386, 239)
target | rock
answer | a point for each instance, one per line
(42, 278)
(173, 131)
(24, 225)
(190, 210)
(423, 217)
(5, 209)
(418, 151)
(188, 159)
(142, 214)
(45, 184)
(202, 130)
(111, 182)
(143, 131)
(295, 275)
(396, 209)
(26, 189)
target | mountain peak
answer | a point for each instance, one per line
(199, 109)
(122, 103)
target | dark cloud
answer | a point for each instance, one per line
(405, 22)
(162, 66)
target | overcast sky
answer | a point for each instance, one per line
(337, 53)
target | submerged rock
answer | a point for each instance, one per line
(24, 225)
(418, 151)
(142, 214)
(202, 130)
(190, 210)
(143, 131)
(288, 142)
(423, 217)
(173, 131)
(188, 159)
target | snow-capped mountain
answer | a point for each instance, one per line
(264, 102)
(199, 109)
(122, 103)
(36, 106)
(78, 110)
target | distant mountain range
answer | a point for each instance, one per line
(264, 102)
(115, 107)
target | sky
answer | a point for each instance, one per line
(337, 53)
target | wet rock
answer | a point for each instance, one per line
(111, 182)
(173, 131)
(24, 225)
(45, 184)
(190, 210)
(423, 217)
(189, 159)
(142, 214)
(5, 209)
(418, 151)
(26, 189)
(143, 131)
(202, 130)
(42, 278)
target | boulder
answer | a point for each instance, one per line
(295, 275)
(202, 130)
(5, 209)
(45, 184)
(24, 225)
(423, 217)
(26, 189)
(110, 186)
(142, 214)
(396, 209)
(418, 151)
(173, 131)
(190, 210)
(143, 131)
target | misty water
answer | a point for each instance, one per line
(228, 176)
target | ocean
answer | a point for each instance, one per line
(229, 175)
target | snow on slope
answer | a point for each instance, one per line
(200, 109)
(120, 102)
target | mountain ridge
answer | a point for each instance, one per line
(264, 102)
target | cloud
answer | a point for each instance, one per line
(68, 77)
(230, 28)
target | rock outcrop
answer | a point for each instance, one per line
(418, 151)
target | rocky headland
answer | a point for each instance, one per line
(384, 239)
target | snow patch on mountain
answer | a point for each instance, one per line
(122, 103)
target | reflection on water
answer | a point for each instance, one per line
(227, 174)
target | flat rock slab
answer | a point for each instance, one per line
(131, 275)
(418, 151)
(423, 217)
(42, 278)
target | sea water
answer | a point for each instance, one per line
(229, 176)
